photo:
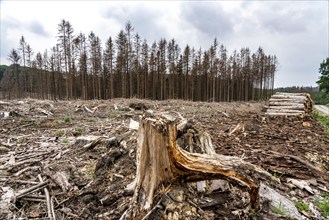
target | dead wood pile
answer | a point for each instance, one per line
(290, 104)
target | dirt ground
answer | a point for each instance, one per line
(84, 151)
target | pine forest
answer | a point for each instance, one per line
(80, 66)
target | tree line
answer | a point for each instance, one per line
(80, 67)
(318, 96)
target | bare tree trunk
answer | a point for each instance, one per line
(18, 87)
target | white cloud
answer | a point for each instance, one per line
(295, 31)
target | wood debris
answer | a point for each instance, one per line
(85, 163)
(301, 184)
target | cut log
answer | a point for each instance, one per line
(269, 110)
(280, 101)
(282, 114)
(160, 161)
(287, 104)
(290, 104)
(287, 107)
(289, 93)
(289, 97)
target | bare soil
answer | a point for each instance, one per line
(86, 152)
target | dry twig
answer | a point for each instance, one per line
(32, 189)
(47, 199)
(298, 159)
(152, 210)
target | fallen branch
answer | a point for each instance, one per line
(20, 158)
(27, 198)
(32, 189)
(52, 208)
(48, 113)
(18, 181)
(62, 202)
(21, 126)
(85, 108)
(238, 127)
(41, 197)
(298, 159)
(47, 199)
(26, 169)
(17, 164)
(97, 141)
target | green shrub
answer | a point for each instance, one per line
(302, 206)
(80, 129)
(324, 120)
(323, 205)
(67, 119)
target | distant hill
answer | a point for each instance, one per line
(297, 89)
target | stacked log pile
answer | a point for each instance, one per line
(290, 104)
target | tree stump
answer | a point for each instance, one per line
(160, 161)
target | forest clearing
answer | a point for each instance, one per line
(75, 159)
(158, 110)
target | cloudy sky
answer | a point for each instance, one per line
(297, 32)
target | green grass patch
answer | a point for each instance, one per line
(324, 120)
(65, 141)
(80, 129)
(302, 206)
(60, 132)
(67, 119)
(280, 209)
(323, 205)
(277, 175)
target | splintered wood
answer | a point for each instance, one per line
(290, 104)
(160, 161)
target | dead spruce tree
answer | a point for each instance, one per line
(160, 161)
